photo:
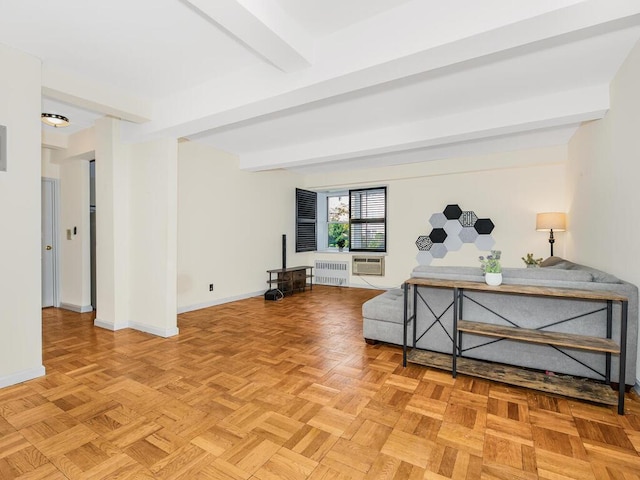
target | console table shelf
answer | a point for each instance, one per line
(579, 342)
(581, 389)
(514, 375)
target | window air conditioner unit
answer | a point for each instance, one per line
(368, 266)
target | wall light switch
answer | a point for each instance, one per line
(68, 234)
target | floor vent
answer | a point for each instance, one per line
(329, 272)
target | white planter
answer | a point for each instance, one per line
(493, 279)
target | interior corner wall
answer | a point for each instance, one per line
(153, 237)
(509, 188)
(20, 212)
(75, 241)
(230, 226)
(602, 181)
(49, 168)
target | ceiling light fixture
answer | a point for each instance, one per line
(54, 120)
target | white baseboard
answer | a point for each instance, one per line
(110, 326)
(165, 333)
(160, 332)
(22, 376)
(220, 301)
(76, 308)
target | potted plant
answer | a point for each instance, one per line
(341, 242)
(491, 268)
(531, 262)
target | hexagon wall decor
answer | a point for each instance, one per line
(450, 229)
(452, 212)
(438, 235)
(484, 226)
(423, 243)
(438, 220)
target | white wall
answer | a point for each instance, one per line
(49, 168)
(75, 277)
(509, 188)
(152, 237)
(112, 226)
(603, 173)
(20, 211)
(230, 226)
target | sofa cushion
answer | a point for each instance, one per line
(597, 276)
(470, 274)
(551, 261)
(526, 274)
(387, 307)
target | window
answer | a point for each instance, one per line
(368, 220)
(337, 219)
(358, 216)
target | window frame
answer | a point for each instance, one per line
(358, 219)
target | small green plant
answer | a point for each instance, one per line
(491, 264)
(529, 260)
(341, 242)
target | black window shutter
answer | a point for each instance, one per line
(368, 220)
(306, 213)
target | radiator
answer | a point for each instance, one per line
(330, 272)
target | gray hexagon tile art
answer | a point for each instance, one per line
(468, 235)
(453, 243)
(423, 243)
(437, 220)
(438, 250)
(452, 228)
(485, 242)
(424, 258)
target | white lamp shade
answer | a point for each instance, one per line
(556, 221)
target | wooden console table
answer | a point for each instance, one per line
(292, 279)
(516, 375)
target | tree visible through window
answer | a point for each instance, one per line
(338, 219)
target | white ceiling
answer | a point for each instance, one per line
(312, 85)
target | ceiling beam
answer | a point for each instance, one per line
(74, 90)
(543, 112)
(265, 91)
(263, 27)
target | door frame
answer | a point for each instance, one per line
(55, 222)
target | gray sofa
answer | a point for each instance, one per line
(383, 317)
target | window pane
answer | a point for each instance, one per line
(368, 220)
(336, 232)
(368, 236)
(338, 209)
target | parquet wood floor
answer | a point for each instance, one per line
(288, 390)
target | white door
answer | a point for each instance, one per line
(48, 242)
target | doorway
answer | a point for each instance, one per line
(92, 222)
(49, 239)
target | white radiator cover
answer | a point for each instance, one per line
(331, 272)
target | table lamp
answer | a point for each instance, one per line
(549, 222)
